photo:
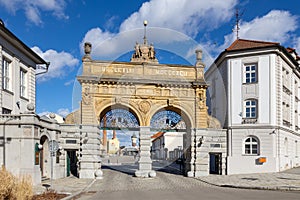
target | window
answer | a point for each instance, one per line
(250, 72)
(22, 83)
(6, 111)
(250, 108)
(5, 74)
(251, 146)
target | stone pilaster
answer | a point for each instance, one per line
(145, 162)
(90, 162)
(191, 163)
(202, 156)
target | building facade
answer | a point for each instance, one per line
(254, 93)
(167, 145)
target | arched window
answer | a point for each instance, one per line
(250, 108)
(251, 146)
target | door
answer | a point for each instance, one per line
(215, 163)
(72, 163)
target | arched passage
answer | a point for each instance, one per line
(45, 163)
(171, 138)
(122, 123)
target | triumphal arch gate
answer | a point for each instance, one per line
(149, 95)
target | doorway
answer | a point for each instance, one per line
(72, 163)
(215, 163)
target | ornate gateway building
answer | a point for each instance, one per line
(146, 96)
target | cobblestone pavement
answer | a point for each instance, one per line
(119, 180)
(118, 183)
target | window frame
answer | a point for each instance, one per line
(6, 73)
(250, 72)
(23, 83)
(253, 141)
(250, 107)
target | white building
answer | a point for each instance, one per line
(167, 145)
(254, 93)
(18, 71)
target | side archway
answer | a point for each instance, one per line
(45, 163)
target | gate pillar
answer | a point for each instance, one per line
(90, 162)
(145, 162)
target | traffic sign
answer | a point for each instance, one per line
(53, 146)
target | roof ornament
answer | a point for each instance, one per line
(237, 23)
(145, 30)
(144, 52)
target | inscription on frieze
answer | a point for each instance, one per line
(140, 70)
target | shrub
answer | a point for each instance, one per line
(15, 188)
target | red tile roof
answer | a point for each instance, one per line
(290, 50)
(157, 135)
(240, 44)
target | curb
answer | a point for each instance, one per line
(275, 188)
(79, 192)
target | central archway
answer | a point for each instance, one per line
(170, 144)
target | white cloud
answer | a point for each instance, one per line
(186, 16)
(70, 82)
(60, 63)
(33, 9)
(276, 26)
(63, 112)
(297, 45)
(44, 113)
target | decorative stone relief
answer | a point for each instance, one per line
(118, 99)
(202, 100)
(86, 97)
(144, 106)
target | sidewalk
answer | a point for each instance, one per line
(70, 185)
(286, 180)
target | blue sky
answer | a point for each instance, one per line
(56, 29)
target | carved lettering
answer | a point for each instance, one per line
(171, 72)
(121, 70)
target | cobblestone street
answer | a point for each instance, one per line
(118, 183)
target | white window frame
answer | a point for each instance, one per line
(250, 73)
(6, 67)
(252, 105)
(23, 83)
(251, 144)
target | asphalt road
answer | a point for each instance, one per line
(118, 184)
